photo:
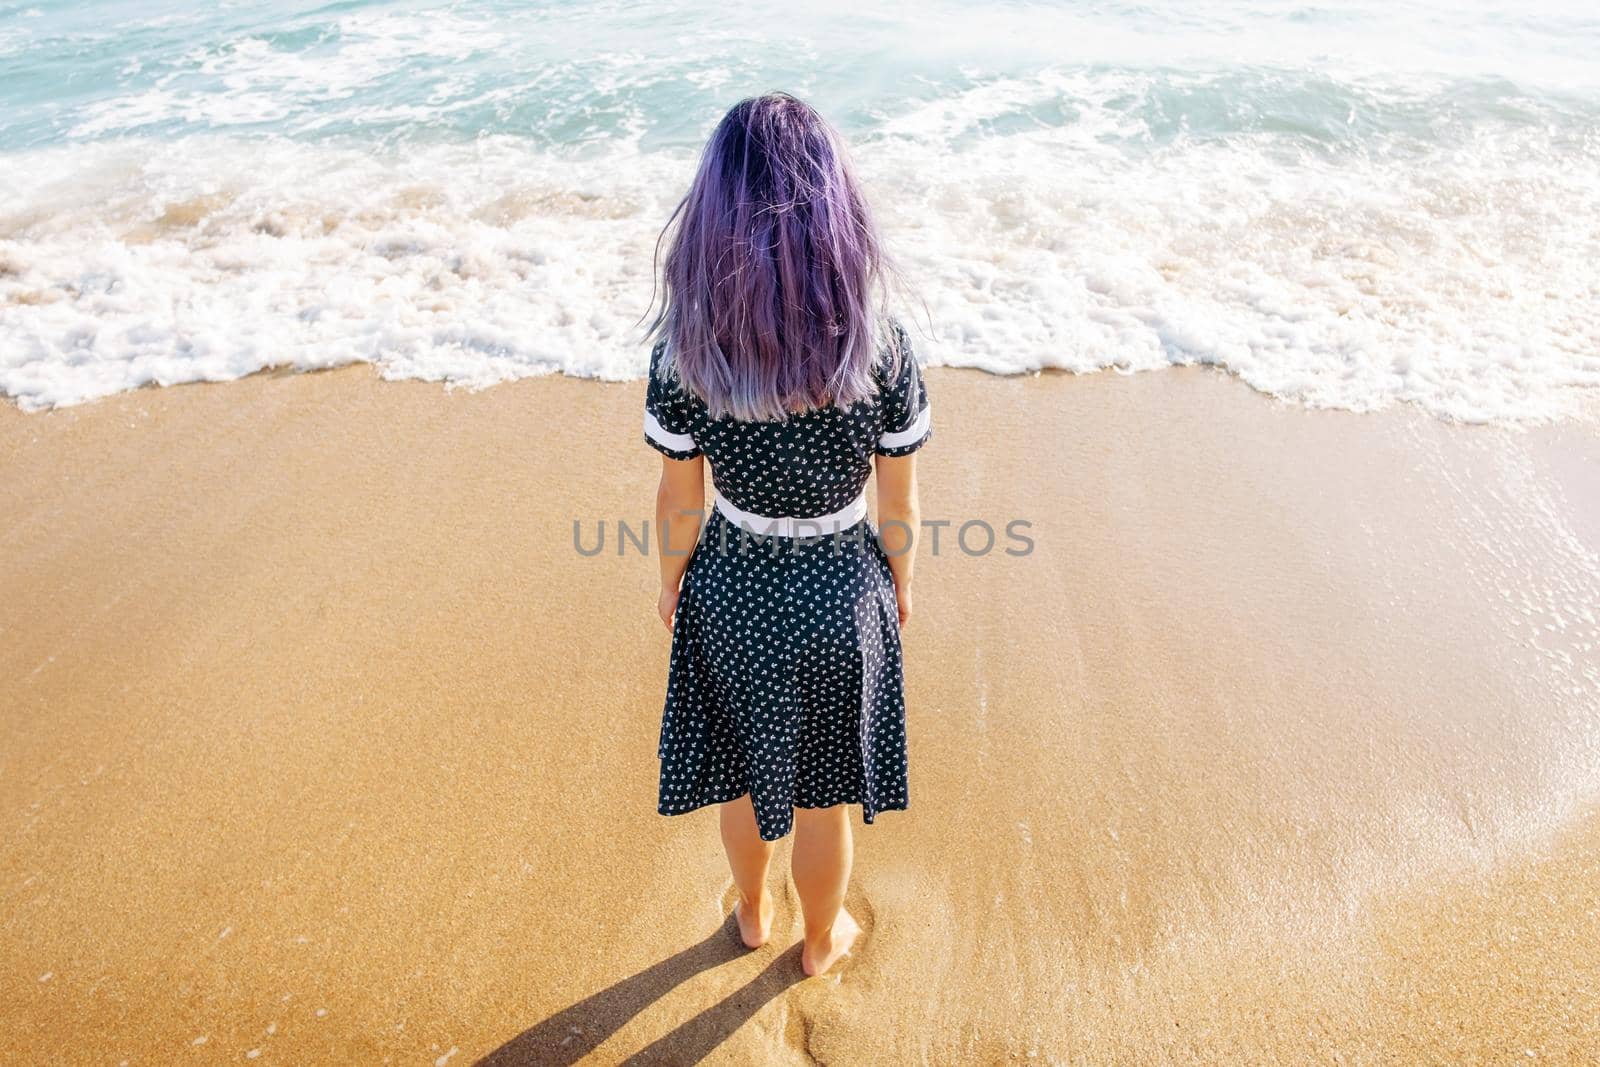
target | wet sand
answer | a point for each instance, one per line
(320, 742)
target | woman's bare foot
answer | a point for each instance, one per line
(816, 959)
(755, 922)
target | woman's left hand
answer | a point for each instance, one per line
(667, 606)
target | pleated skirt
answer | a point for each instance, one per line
(785, 678)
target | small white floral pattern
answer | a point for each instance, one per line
(785, 676)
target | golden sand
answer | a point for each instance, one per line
(320, 742)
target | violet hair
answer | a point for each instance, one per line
(774, 279)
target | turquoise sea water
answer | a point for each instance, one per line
(1345, 204)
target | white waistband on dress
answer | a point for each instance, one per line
(789, 526)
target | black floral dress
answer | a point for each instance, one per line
(785, 675)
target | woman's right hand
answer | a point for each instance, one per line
(902, 596)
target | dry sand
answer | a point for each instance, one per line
(318, 738)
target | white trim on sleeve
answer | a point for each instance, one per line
(678, 442)
(909, 435)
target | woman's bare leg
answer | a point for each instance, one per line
(823, 851)
(748, 857)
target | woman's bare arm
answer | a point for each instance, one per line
(899, 519)
(680, 509)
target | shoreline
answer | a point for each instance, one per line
(1279, 744)
(1585, 413)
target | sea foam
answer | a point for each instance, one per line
(363, 185)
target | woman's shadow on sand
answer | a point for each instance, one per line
(572, 1033)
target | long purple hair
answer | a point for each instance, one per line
(775, 297)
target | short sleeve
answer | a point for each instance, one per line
(667, 423)
(906, 425)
